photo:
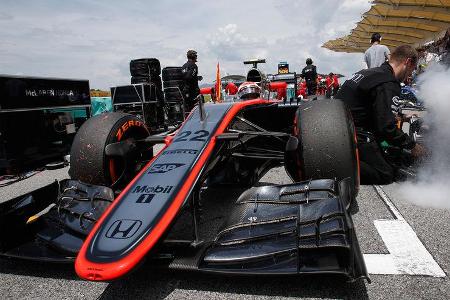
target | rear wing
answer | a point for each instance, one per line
(254, 62)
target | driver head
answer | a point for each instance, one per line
(248, 91)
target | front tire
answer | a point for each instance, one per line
(326, 145)
(89, 162)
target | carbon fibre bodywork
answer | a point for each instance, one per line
(302, 228)
(289, 229)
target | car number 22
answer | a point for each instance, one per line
(198, 136)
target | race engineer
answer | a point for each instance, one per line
(190, 76)
(309, 73)
(369, 95)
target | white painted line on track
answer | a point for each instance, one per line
(380, 264)
(389, 203)
(407, 254)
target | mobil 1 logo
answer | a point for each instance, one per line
(147, 193)
(145, 198)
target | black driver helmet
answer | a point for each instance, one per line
(309, 61)
(192, 54)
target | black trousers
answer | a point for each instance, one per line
(374, 169)
(312, 88)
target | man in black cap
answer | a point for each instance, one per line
(190, 76)
(377, 54)
(369, 95)
(309, 73)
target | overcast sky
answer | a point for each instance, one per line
(95, 40)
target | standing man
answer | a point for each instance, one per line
(190, 76)
(369, 95)
(335, 85)
(329, 81)
(377, 54)
(309, 73)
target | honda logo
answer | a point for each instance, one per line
(123, 229)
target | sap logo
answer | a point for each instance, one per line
(180, 151)
(163, 168)
(152, 189)
(123, 229)
(145, 198)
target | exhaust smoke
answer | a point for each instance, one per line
(432, 188)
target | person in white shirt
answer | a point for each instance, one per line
(377, 54)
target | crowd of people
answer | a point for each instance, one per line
(312, 83)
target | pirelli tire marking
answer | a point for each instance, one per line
(407, 254)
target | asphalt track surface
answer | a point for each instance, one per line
(25, 280)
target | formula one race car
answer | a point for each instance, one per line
(124, 204)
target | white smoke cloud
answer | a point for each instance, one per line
(433, 186)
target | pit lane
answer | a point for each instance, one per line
(24, 280)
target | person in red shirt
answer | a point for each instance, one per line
(302, 89)
(281, 94)
(332, 85)
(329, 81)
(335, 84)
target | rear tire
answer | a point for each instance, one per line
(327, 145)
(89, 162)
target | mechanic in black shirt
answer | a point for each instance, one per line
(309, 73)
(369, 95)
(190, 76)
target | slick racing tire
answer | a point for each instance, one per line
(173, 95)
(145, 67)
(174, 83)
(89, 162)
(326, 147)
(140, 79)
(147, 79)
(172, 73)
